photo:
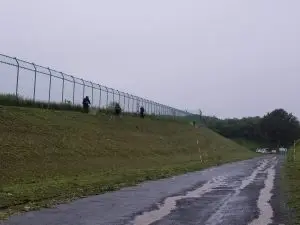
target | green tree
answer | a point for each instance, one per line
(275, 128)
(280, 127)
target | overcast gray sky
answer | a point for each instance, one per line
(230, 58)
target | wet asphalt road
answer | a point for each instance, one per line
(240, 193)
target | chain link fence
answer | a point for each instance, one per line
(40, 83)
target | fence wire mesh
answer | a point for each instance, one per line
(39, 83)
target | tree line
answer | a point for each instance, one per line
(276, 128)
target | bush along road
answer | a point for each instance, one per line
(243, 193)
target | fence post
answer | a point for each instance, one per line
(63, 87)
(146, 105)
(151, 104)
(119, 97)
(159, 109)
(128, 103)
(50, 83)
(132, 103)
(141, 104)
(99, 96)
(34, 83)
(18, 74)
(138, 103)
(124, 101)
(92, 92)
(83, 91)
(106, 96)
(73, 89)
(113, 92)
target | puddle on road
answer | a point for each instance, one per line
(170, 203)
(251, 178)
(217, 217)
(263, 203)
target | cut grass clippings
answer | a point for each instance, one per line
(49, 156)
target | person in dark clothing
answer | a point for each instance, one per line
(86, 104)
(142, 112)
(118, 109)
(194, 123)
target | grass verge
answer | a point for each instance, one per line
(292, 183)
(50, 156)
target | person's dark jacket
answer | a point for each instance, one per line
(86, 101)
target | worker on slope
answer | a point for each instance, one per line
(118, 109)
(142, 112)
(86, 104)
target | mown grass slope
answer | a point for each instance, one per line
(252, 145)
(48, 156)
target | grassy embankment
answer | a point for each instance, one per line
(252, 145)
(292, 182)
(49, 156)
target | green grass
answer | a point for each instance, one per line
(292, 182)
(252, 145)
(50, 156)
(13, 100)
